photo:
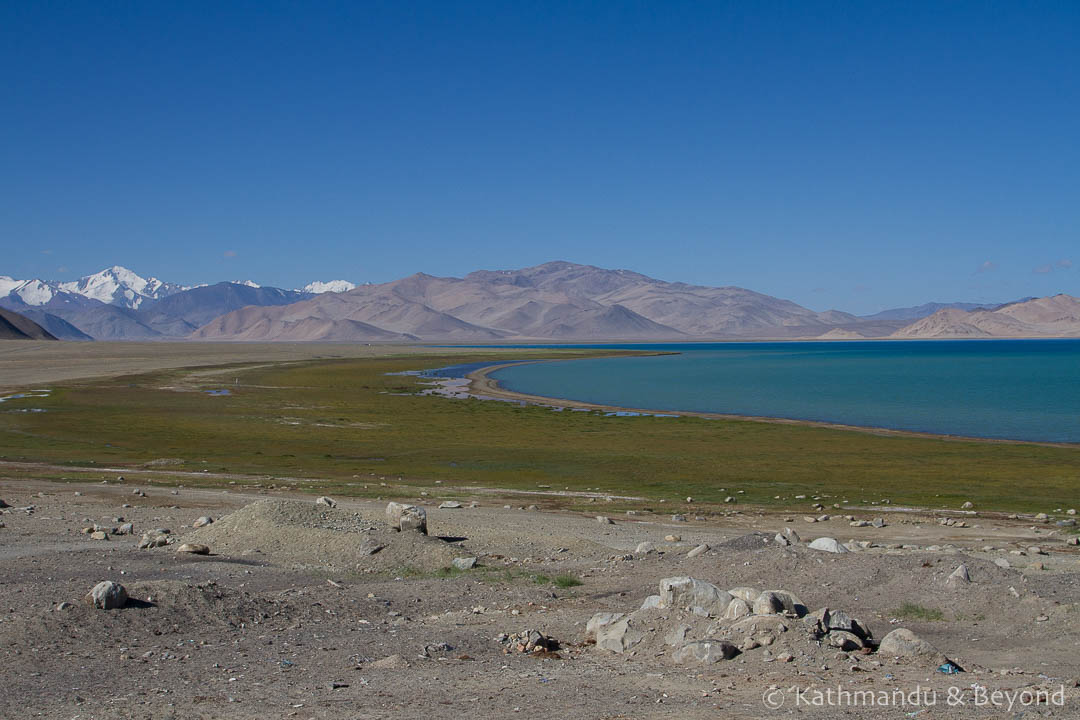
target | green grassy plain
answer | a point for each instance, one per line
(339, 419)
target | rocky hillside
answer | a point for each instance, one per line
(14, 326)
(1056, 316)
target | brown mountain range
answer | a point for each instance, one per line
(554, 301)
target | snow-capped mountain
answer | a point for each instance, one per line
(247, 283)
(114, 286)
(335, 286)
(119, 286)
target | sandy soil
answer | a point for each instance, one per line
(292, 616)
(26, 363)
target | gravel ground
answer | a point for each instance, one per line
(291, 615)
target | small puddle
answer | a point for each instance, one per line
(218, 393)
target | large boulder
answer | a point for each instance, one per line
(768, 603)
(407, 517)
(748, 594)
(827, 544)
(107, 595)
(599, 621)
(903, 643)
(838, 620)
(710, 651)
(737, 608)
(619, 635)
(696, 596)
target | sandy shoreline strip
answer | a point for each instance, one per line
(482, 386)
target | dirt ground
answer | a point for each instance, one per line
(293, 616)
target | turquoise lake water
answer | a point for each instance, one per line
(1012, 389)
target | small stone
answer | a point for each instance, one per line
(193, 549)
(449, 505)
(202, 522)
(604, 520)
(64, 606)
(968, 505)
(99, 535)
(465, 563)
(329, 502)
(703, 548)
(673, 538)
(678, 518)
(644, 548)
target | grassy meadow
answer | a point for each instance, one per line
(346, 423)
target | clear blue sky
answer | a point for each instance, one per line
(854, 155)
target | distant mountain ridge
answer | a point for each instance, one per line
(118, 304)
(1055, 316)
(555, 301)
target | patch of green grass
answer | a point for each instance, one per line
(566, 581)
(913, 611)
(336, 426)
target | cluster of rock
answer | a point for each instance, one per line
(102, 532)
(694, 621)
(527, 641)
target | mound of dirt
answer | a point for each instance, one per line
(306, 535)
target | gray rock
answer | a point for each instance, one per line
(700, 549)
(878, 522)
(644, 548)
(619, 635)
(99, 535)
(328, 502)
(449, 505)
(840, 621)
(712, 651)
(193, 549)
(600, 621)
(1002, 563)
(968, 505)
(203, 521)
(604, 520)
(768, 603)
(748, 594)
(153, 540)
(959, 577)
(651, 603)
(844, 640)
(906, 644)
(694, 595)
(404, 517)
(678, 518)
(107, 595)
(781, 539)
(465, 563)
(126, 529)
(828, 544)
(737, 608)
